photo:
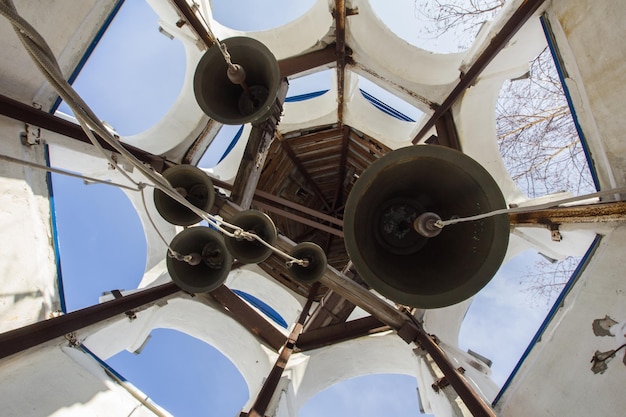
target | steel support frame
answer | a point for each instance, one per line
(269, 386)
(15, 341)
(30, 115)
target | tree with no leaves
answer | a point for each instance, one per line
(536, 133)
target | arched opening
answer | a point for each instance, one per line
(134, 70)
(436, 26)
(512, 308)
(387, 102)
(391, 395)
(255, 15)
(537, 135)
(220, 147)
(102, 244)
(184, 375)
(310, 85)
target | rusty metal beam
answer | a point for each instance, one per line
(325, 336)
(524, 12)
(589, 213)
(340, 40)
(269, 386)
(248, 317)
(189, 16)
(305, 62)
(27, 114)
(26, 337)
(446, 131)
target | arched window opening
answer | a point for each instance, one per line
(184, 375)
(134, 70)
(222, 144)
(310, 86)
(263, 308)
(367, 396)
(258, 15)
(102, 245)
(435, 25)
(537, 135)
(387, 102)
(512, 308)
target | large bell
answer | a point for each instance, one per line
(425, 269)
(193, 184)
(315, 259)
(231, 103)
(208, 261)
(252, 251)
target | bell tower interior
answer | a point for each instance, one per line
(318, 201)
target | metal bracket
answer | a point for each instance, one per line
(442, 382)
(130, 313)
(32, 136)
(555, 234)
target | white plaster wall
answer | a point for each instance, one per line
(57, 380)
(27, 261)
(197, 317)
(382, 353)
(561, 359)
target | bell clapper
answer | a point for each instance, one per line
(428, 224)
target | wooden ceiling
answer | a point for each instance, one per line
(316, 169)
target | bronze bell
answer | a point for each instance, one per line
(315, 259)
(252, 251)
(207, 261)
(390, 233)
(223, 96)
(194, 185)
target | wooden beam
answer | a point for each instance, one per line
(345, 143)
(300, 219)
(294, 158)
(254, 155)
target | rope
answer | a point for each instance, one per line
(46, 62)
(64, 172)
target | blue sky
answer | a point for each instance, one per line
(130, 81)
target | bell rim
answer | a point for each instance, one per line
(160, 199)
(489, 267)
(198, 82)
(231, 242)
(206, 231)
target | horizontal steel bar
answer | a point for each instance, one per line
(17, 340)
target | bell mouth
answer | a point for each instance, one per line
(389, 252)
(227, 102)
